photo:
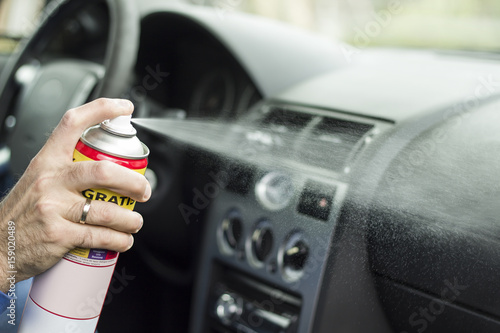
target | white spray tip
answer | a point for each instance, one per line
(120, 125)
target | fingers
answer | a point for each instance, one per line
(75, 121)
(106, 214)
(96, 237)
(106, 174)
(107, 226)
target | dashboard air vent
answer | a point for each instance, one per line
(332, 141)
(283, 121)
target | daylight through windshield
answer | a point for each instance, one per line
(443, 24)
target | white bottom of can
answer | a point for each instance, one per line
(36, 319)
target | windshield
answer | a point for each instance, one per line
(472, 25)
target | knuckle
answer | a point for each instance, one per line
(44, 208)
(87, 238)
(106, 214)
(54, 233)
(102, 171)
(74, 171)
(110, 240)
(70, 119)
(102, 103)
(76, 211)
(81, 172)
(106, 242)
(42, 184)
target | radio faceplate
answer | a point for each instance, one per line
(238, 303)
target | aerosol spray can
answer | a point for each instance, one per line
(69, 296)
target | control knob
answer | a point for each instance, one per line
(228, 308)
(292, 257)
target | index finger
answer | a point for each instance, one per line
(75, 121)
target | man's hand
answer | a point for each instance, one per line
(47, 202)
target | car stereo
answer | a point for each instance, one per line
(238, 303)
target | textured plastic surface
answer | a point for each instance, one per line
(434, 221)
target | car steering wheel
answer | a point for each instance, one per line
(34, 98)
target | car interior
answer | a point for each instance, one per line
(300, 184)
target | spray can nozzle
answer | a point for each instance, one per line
(120, 126)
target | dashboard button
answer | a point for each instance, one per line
(316, 201)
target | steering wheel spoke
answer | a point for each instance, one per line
(55, 88)
(34, 94)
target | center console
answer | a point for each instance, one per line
(272, 219)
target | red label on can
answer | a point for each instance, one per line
(99, 156)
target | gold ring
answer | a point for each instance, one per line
(85, 211)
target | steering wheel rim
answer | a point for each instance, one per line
(87, 80)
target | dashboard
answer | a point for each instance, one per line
(299, 190)
(351, 197)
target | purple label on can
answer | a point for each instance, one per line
(97, 254)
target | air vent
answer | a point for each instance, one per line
(331, 142)
(331, 129)
(307, 136)
(284, 121)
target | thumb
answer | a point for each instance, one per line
(63, 140)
